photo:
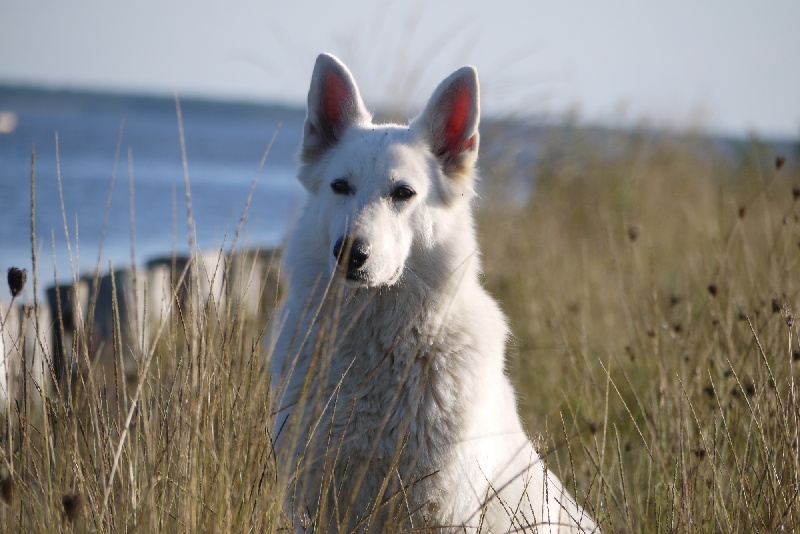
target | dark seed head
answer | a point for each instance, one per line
(749, 388)
(796, 192)
(700, 453)
(16, 280)
(779, 161)
(713, 289)
(777, 305)
(674, 300)
(796, 355)
(73, 503)
(709, 391)
(742, 212)
(633, 233)
(7, 489)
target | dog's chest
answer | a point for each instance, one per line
(407, 386)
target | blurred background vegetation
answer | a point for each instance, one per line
(652, 281)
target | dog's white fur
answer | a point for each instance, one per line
(388, 372)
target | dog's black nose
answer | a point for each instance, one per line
(351, 253)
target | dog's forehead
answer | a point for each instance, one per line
(379, 153)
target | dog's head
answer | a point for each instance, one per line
(384, 195)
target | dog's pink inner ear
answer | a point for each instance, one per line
(458, 111)
(335, 101)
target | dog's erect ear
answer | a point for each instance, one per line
(334, 105)
(450, 121)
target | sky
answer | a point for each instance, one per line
(729, 66)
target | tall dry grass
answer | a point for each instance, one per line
(181, 445)
(651, 282)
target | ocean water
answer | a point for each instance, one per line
(81, 133)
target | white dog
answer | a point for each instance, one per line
(394, 411)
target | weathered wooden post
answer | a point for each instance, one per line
(69, 306)
(208, 290)
(9, 336)
(119, 326)
(254, 276)
(164, 280)
(37, 351)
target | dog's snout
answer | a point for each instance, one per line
(351, 253)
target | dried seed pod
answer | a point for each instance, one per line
(7, 489)
(633, 233)
(16, 280)
(72, 502)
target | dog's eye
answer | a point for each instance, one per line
(341, 187)
(403, 192)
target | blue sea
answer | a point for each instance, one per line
(81, 133)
